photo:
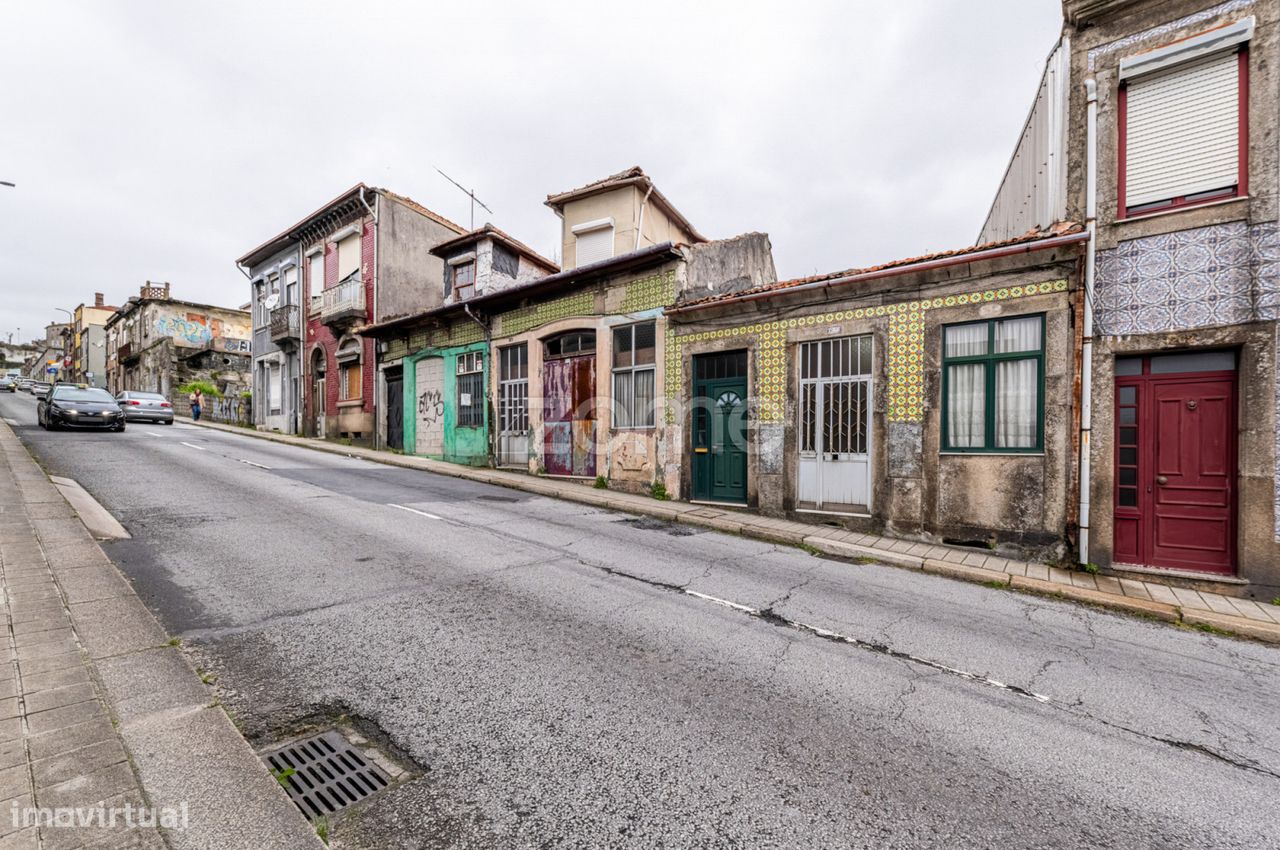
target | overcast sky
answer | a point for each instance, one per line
(161, 140)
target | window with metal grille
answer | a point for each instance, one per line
(513, 389)
(634, 375)
(992, 385)
(1183, 133)
(835, 395)
(470, 387)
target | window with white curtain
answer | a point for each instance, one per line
(992, 385)
(634, 371)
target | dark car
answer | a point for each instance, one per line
(72, 406)
(145, 407)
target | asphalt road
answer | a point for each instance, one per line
(564, 676)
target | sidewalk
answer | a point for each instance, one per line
(1147, 598)
(98, 708)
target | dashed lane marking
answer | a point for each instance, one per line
(251, 463)
(153, 433)
(414, 511)
(197, 448)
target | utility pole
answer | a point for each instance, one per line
(470, 194)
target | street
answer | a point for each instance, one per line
(559, 675)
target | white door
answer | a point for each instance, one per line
(835, 425)
(429, 406)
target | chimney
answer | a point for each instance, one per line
(98, 299)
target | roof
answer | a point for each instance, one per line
(633, 176)
(291, 234)
(644, 257)
(498, 235)
(1058, 234)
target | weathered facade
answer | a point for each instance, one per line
(159, 344)
(275, 283)
(561, 373)
(89, 343)
(930, 398)
(1172, 163)
(365, 255)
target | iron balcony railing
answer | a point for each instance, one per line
(286, 323)
(344, 301)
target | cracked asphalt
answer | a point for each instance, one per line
(562, 676)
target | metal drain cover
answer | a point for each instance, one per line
(325, 773)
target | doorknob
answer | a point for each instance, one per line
(1162, 479)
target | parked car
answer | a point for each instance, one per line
(40, 389)
(8, 385)
(145, 407)
(79, 406)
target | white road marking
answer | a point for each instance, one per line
(153, 433)
(11, 421)
(251, 463)
(197, 448)
(414, 511)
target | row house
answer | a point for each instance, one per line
(158, 343)
(86, 362)
(362, 257)
(49, 354)
(561, 371)
(1155, 125)
(274, 270)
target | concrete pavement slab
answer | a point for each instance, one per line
(115, 626)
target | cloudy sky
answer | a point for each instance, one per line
(161, 140)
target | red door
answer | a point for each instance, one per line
(1175, 474)
(569, 421)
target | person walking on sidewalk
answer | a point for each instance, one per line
(197, 403)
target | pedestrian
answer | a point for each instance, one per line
(197, 401)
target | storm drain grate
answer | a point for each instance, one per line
(324, 774)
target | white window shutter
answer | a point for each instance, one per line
(594, 245)
(1182, 134)
(348, 256)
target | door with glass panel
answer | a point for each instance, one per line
(835, 425)
(513, 406)
(993, 386)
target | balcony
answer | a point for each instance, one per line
(286, 324)
(125, 352)
(344, 303)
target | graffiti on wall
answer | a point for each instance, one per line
(431, 407)
(194, 333)
(199, 330)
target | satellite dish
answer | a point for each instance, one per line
(271, 300)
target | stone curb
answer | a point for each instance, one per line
(749, 526)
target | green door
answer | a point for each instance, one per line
(720, 428)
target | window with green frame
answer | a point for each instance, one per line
(993, 385)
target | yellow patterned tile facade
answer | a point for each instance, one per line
(906, 355)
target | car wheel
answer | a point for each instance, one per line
(119, 428)
(168, 422)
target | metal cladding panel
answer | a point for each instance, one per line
(1033, 192)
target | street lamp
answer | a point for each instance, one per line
(7, 183)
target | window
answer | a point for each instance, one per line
(634, 356)
(593, 241)
(348, 256)
(1183, 132)
(275, 388)
(470, 390)
(349, 369)
(992, 379)
(464, 280)
(315, 277)
(570, 344)
(291, 286)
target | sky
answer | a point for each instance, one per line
(162, 140)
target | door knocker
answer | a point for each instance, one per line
(1191, 404)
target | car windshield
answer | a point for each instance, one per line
(77, 394)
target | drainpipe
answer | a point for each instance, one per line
(640, 225)
(378, 388)
(1086, 359)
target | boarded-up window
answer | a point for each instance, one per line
(348, 256)
(1181, 133)
(595, 245)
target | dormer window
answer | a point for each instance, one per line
(593, 241)
(464, 280)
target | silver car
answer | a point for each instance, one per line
(145, 407)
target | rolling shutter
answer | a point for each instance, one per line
(595, 245)
(348, 256)
(1182, 132)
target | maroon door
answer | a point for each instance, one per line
(1176, 467)
(569, 429)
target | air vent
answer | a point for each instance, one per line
(324, 774)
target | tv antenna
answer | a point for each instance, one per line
(470, 194)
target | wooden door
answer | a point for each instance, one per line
(719, 420)
(569, 420)
(1175, 499)
(395, 408)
